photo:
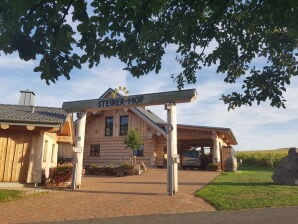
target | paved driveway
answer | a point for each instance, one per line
(102, 197)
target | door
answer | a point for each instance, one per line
(14, 156)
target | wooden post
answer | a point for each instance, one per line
(216, 153)
(78, 154)
(122, 102)
(172, 156)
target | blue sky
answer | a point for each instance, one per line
(257, 127)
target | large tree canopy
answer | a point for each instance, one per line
(139, 31)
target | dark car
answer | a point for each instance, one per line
(190, 159)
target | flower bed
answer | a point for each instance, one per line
(60, 176)
(123, 170)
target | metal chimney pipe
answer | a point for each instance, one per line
(27, 98)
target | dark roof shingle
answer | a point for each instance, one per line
(28, 114)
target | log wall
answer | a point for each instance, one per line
(112, 148)
(14, 156)
(24, 156)
(49, 153)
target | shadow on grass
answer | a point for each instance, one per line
(156, 183)
(255, 168)
(251, 184)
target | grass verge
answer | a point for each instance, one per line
(250, 188)
(7, 195)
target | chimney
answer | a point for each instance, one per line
(27, 98)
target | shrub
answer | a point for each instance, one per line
(126, 166)
(60, 174)
(212, 167)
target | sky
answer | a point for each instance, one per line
(256, 128)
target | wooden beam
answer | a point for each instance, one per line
(141, 100)
(194, 137)
(53, 129)
(30, 127)
(4, 126)
(64, 139)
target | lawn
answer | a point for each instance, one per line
(7, 195)
(250, 188)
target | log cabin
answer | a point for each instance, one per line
(106, 130)
(30, 138)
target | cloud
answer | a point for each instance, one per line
(256, 127)
(84, 84)
(96, 81)
(13, 61)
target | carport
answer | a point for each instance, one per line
(216, 142)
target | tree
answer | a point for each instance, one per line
(133, 140)
(139, 32)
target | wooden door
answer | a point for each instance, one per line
(14, 156)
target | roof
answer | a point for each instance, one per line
(151, 118)
(160, 124)
(19, 114)
(147, 115)
(219, 130)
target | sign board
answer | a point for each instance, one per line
(77, 149)
(182, 96)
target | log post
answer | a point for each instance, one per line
(216, 152)
(4, 126)
(79, 152)
(172, 156)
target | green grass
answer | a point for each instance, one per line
(250, 188)
(7, 195)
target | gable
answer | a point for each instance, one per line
(147, 116)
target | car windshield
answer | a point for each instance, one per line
(193, 154)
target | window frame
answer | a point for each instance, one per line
(45, 151)
(106, 126)
(139, 152)
(53, 156)
(121, 126)
(94, 151)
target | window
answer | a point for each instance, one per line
(123, 125)
(109, 126)
(45, 151)
(94, 150)
(139, 151)
(53, 158)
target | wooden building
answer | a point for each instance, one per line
(30, 138)
(106, 129)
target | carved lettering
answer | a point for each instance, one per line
(120, 101)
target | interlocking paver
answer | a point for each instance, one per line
(102, 197)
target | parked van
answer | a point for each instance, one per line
(191, 159)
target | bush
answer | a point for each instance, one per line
(212, 167)
(60, 174)
(264, 158)
(126, 166)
